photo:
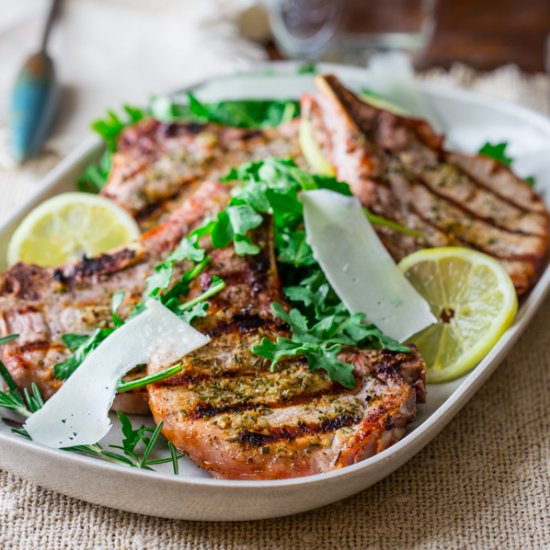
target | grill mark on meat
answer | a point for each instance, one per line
(531, 201)
(105, 264)
(39, 345)
(506, 199)
(290, 433)
(42, 304)
(155, 163)
(208, 410)
(472, 213)
(226, 398)
(530, 258)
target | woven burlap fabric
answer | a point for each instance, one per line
(482, 483)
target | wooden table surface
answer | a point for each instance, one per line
(486, 34)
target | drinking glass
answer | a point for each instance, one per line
(350, 30)
(304, 28)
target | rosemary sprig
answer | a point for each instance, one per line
(9, 338)
(151, 379)
(26, 403)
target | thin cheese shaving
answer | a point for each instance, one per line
(78, 413)
(358, 266)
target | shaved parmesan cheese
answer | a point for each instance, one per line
(78, 413)
(359, 268)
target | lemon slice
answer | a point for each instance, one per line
(311, 150)
(67, 226)
(472, 297)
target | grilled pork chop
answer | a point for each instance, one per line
(157, 165)
(238, 420)
(398, 168)
(226, 409)
(43, 304)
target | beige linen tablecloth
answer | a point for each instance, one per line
(482, 483)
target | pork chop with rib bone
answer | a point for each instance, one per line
(398, 168)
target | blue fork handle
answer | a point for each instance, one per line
(33, 103)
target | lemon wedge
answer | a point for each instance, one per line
(474, 300)
(64, 228)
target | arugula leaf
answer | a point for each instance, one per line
(323, 340)
(320, 324)
(241, 113)
(194, 312)
(530, 180)
(197, 306)
(109, 128)
(293, 249)
(160, 280)
(65, 368)
(244, 246)
(74, 341)
(496, 151)
(188, 249)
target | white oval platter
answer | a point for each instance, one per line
(469, 120)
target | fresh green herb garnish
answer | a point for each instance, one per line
(82, 345)
(9, 338)
(146, 380)
(320, 324)
(12, 398)
(253, 113)
(161, 287)
(109, 128)
(197, 307)
(530, 180)
(497, 151)
(116, 302)
(74, 341)
(29, 402)
(308, 68)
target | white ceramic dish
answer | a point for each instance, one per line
(470, 119)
